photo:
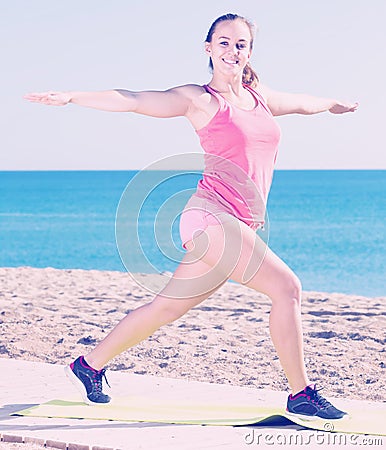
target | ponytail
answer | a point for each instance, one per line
(250, 77)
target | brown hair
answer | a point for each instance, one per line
(249, 75)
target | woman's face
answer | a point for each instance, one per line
(230, 48)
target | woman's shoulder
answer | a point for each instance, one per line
(191, 90)
(198, 97)
(263, 90)
(202, 105)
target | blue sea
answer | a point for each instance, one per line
(328, 226)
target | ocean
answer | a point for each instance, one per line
(328, 226)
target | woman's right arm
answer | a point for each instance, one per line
(170, 103)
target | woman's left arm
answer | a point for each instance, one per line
(281, 103)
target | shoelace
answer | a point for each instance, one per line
(320, 400)
(98, 380)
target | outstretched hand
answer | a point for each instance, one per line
(340, 108)
(51, 98)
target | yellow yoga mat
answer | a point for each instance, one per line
(369, 419)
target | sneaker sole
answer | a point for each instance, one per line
(79, 385)
(312, 418)
(302, 416)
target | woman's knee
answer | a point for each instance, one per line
(295, 288)
(288, 290)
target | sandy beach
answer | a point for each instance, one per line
(52, 315)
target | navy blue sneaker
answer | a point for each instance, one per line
(88, 381)
(310, 403)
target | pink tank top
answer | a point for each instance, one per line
(240, 153)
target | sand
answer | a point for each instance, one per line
(53, 316)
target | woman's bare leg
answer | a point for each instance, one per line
(247, 259)
(192, 282)
(208, 264)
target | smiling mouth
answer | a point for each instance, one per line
(229, 61)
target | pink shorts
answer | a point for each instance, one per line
(197, 215)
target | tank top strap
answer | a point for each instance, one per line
(258, 97)
(219, 97)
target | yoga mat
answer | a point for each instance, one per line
(366, 419)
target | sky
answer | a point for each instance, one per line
(333, 49)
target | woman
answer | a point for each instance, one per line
(233, 117)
